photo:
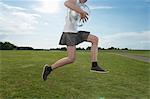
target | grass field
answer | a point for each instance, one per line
(20, 77)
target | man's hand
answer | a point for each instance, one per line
(83, 16)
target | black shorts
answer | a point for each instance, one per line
(71, 39)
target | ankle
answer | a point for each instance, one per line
(94, 64)
(50, 68)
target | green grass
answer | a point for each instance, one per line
(20, 77)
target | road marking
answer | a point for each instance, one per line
(136, 57)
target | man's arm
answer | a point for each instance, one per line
(72, 5)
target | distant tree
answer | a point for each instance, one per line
(58, 49)
(24, 48)
(88, 48)
(103, 49)
(1, 45)
(63, 48)
(111, 48)
(79, 48)
(38, 49)
(125, 49)
(99, 48)
(7, 46)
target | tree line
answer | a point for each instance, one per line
(7, 46)
(10, 46)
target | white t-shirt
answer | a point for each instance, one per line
(69, 25)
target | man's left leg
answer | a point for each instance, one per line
(94, 51)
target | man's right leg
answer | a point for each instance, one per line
(71, 50)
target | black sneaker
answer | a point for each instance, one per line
(98, 69)
(46, 71)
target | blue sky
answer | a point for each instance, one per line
(39, 23)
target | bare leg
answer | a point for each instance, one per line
(94, 48)
(71, 50)
(67, 60)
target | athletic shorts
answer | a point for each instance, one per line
(71, 39)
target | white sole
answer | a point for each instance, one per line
(43, 71)
(99, 72)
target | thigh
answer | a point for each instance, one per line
(71, 50)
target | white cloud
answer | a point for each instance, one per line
(46, 23)
(100, 7)
(136, 40)
(6, 8)
(16, 20)
(47, 6)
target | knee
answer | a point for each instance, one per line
(95, 40)
(71, 59)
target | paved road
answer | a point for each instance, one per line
(137, 57)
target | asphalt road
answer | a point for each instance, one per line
(136, 57)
